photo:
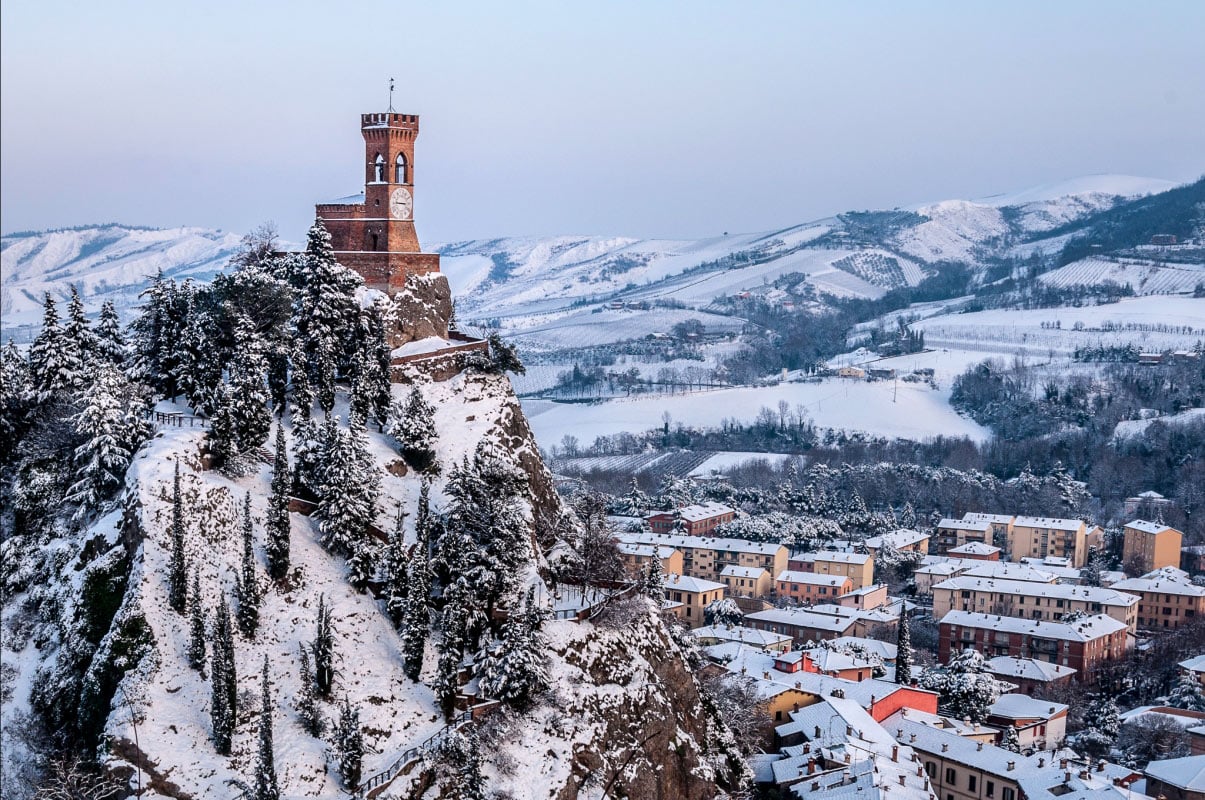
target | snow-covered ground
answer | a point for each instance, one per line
(1145, 276)
(1131, 428)
(909, 410)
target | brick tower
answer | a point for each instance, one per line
(373, 233)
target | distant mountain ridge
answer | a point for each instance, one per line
(525, 282)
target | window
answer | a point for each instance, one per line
(931, 768)
(951, 776)
(378, 169)
(1008, 793)
(972, 781)
(990, 789)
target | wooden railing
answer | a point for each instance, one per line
(177, 419)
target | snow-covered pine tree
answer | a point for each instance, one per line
(908, 517)
(222, 706)
(903, 650)
(248, 395)
(347, 498)
(102, 459)
(302, 405)
(266, 787)
(1009, 740)
(360, 390)
(349, 744)
(196, 357)
(78, 330)
(55, 365)
(247, 585)
(503, 356)
(451, 648)
(196, 628)
(397, 572)
(224, 631)
(412, 425)
(156, 332)
(723, 612)
(277, 524)
(323, 648)
(1187, 693)
(1090, 575)
(308, 453)
(516, 671)
(653, 582)
(380, 360)
(635, 502)
(110, 342)
(460, 752)
(326, 317)
(417, 617)
(177, 570)
(324, 377)
(307, 697)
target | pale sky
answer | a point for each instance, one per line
(641, 119)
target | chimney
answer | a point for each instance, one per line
(1012, 765)
(817, 733)
(944, 747)
(766, 675)
(1084, 774)
(849, 730)
(847, 761)
(980, 747)
(920, 771)
(1067, 776)
(1062, 763)
(912, 738)
(811, 766)
(895, 752)
(815, 786)
(902, 781)
(1100, 765)
(1041, 762)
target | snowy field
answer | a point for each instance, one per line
(918, 412)
(1146, 277)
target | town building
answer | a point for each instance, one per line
(1149, 546)
(747, 581)
(1167, 599)
(689, 596)
(950, 534)
(902, 539)
(867, 599)
(1147, 502)
(1195, 665)
(1082, 645)
(710, 635)
(635, 558)
(706, 557)
(809, 587)
(1040, 724)
(1039, 537)
(1177, 778)
(1030, 675)
(858, 567)
(804, 625)
(976, 551)
(1041, 601)
(695, 520)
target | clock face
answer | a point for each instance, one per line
(401, 204)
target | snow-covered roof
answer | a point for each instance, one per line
(685, 583)
(1180, 716)
(953, 747)
(739, 633)
(1194, 664)
(1170, 585)
(733, 571)
(1022, 706)
(884, 650)
(346, 200)
(834, 661)
(698, 512)
(902, 537)
(1031, 669)
(1147, 527)
(832, 557)
(802, 618)
(1083, 630)
(996, 519)
(1059, 591)
(814, 578)
(706, 542)
(964, 524)
(1187, 773)
(974, 549)
(1052, 523)
(645, 550)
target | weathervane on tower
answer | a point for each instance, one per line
(391, 94)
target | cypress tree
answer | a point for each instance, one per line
(349, 741)
(266, 787)
(247, 587)
(380, 364)
(654, 581)
(223, 698)
(451, 650)
(397, 588)
(418, 614)
(248, 391)
(307, 697)
(461, 750)
(903, 650)
(277, 524)
(78, 331)
(323, 648)
(196, 628)
(516, 671)
(177, 595)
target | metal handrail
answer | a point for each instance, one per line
(410, 755)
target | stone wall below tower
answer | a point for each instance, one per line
(419, 309)
(389, 272)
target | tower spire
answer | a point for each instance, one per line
(391, 94)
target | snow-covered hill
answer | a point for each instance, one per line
(532, 286)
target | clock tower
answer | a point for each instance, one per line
(373, 233)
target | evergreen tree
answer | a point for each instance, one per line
(418, 614)
(324, 377)
(460, 752)
(1009, 740)
(1187, 693)
(308, 454)
(347, 499)
(110, 342)
(156, 332)
(412, 425)
(1090, 575)
(101, 461)
(323, 648)
(277, 523)
(380, 360)
(196, 358)
(504, 357)
(397, 572)
(349, 743)
(653, 583)
(177, 568)
(78, 331)
(307, 698)
(451, 649)
(903, 650)
(248, 394)
(247, 586)
(266, 787)
(55, 365)
(326, 318)
(516, 671)
(360, 390)
(223, 682)
(908, 517)
(196, 628)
